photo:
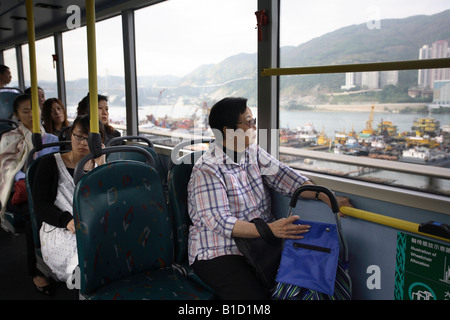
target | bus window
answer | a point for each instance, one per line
(75, 68)
(398, 117)
(9, 57)
(46, 72)
(110, 68)
(110, 74)
(189, 55)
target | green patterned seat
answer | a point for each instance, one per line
(179, 175)
(124, 236)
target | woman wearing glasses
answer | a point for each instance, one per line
(53, 198)
(228, 188)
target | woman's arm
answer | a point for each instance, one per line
(282, 228)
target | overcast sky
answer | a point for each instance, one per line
(177, 36)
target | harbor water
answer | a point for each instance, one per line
(328, 121)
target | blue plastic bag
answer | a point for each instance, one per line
(311, 262)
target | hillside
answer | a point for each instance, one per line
(397, 39)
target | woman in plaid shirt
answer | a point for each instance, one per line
(228, 188)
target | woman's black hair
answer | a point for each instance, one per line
(84, 123)
(226, 112)
(47, 114)
(83, 108)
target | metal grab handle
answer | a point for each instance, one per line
(43, 146)
(10, 121)
(311, 187)
(145, 139)
(175, 151)
(79, 169)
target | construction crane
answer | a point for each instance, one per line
(369, 129)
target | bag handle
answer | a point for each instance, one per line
(312, 187)
(334, 208)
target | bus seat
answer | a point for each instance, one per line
(124, 236)
(159, 165)
(7, 97)
(31, 167)
(14, 223)
(7, 125)
(178, 179)
(180, 168)
(179, 176)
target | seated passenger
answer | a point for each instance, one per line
(103, 115)
(53, 199)
(15, 146)
(54, 117)
(41, 97)
(5, 75)
(227, 189)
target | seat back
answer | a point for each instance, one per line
(7, 97)
(31, 168)
(122, 223)
(178, 180)
(29, 181)
(159, 165)
(7, 125)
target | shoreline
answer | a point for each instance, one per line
(378, 107)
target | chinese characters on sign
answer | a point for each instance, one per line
(422, 269)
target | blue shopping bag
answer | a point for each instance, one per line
(310, 265)
(311, 262)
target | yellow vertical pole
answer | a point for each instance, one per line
(92, 65)
(33, 73)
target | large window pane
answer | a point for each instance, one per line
(401, 116)
(75, 68)
(9, 57)
(110, 69)
(45, 69)
(187, 62)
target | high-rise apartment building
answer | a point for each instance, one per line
(438, 49)
(370, 80)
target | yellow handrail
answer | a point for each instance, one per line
(33, 74)
(360, 67)
(387, 221)
(92, 65)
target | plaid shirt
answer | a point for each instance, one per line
(220, 192)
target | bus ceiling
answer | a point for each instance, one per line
(52, 16)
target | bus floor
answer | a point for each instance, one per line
(15, 283)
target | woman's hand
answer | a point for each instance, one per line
(71, 226)
(285, 228)
(343, 201)
(97, 161)
(102, 159)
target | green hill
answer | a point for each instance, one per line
(397, 39)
